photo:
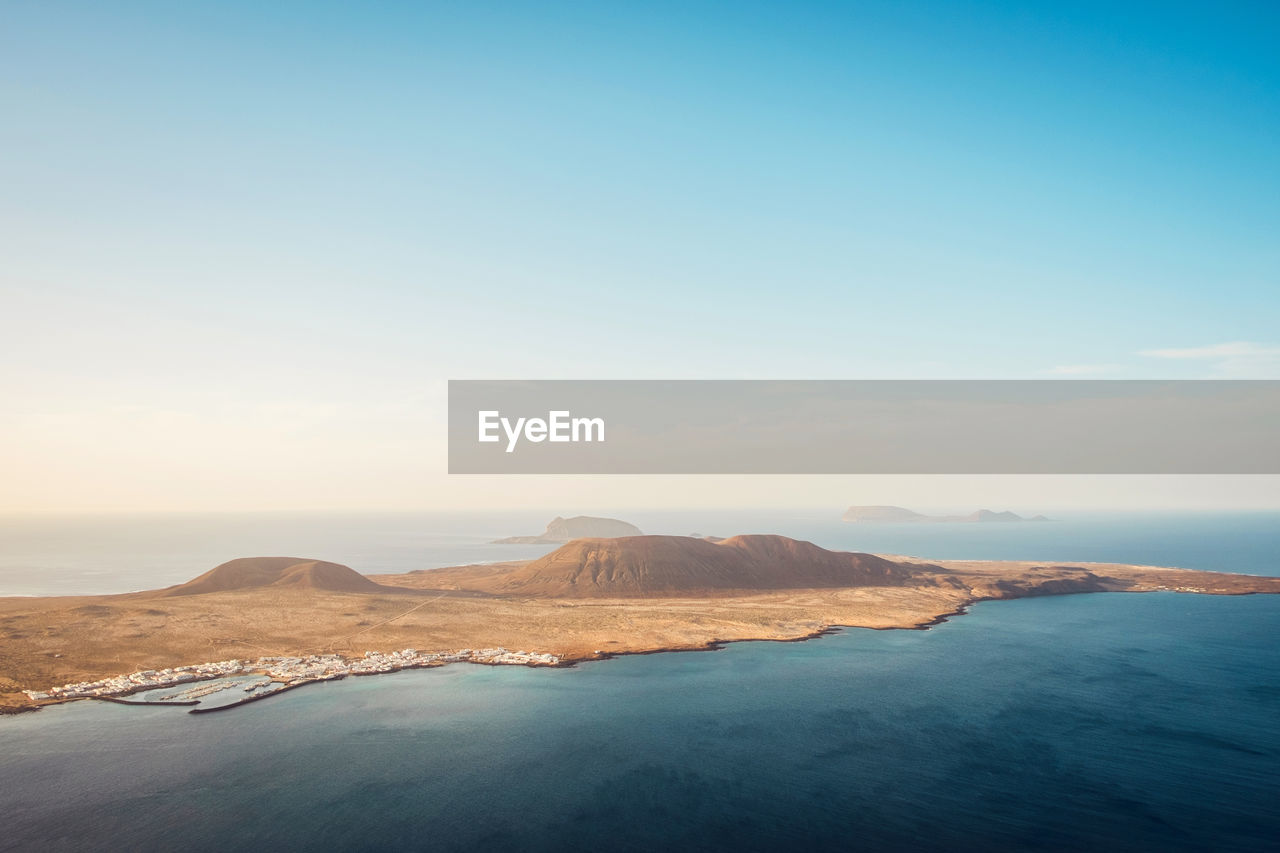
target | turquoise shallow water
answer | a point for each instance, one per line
(1100, 722)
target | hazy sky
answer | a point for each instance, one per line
(245, 244)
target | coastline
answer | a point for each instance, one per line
(298, 636)
(711, 645)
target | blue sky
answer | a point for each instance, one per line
(241, 237)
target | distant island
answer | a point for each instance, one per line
(270, 624)
(561, 530)
(901, 515)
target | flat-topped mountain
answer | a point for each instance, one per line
(634, 566)
(901, 515)
(578, 527)
(292, 572)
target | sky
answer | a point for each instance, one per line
(245, 245)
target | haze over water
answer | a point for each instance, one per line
(67, 555)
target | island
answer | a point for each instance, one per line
(561, 530)
(282, 622)
(901, 515)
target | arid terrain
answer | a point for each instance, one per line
(589, 598)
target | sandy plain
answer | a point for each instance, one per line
(56, 640)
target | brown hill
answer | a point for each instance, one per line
(634, 566)
(294, 572)
(319, 574)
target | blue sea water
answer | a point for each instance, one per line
(1089, 722)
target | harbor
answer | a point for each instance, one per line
(269, 676)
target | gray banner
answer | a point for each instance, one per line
(864, 427)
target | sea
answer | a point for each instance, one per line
(1085, 722)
